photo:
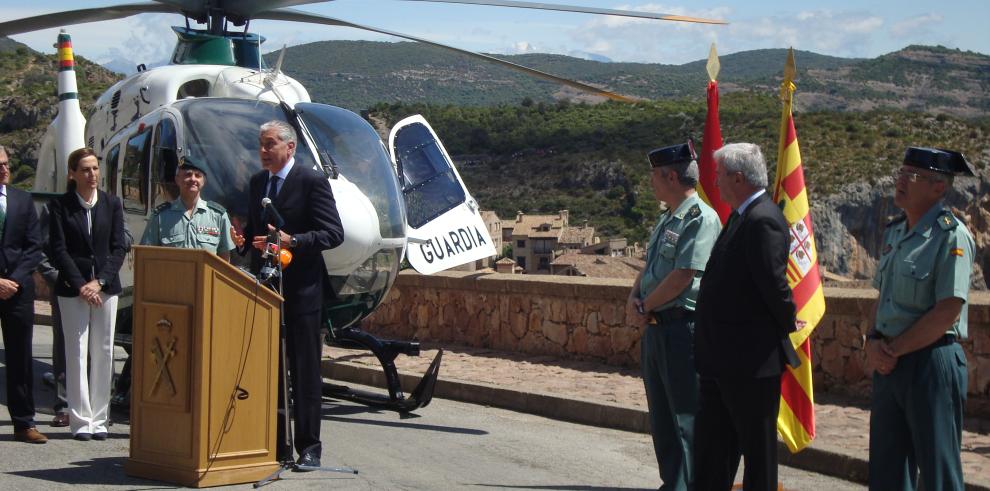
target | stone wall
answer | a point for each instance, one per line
(583, 318)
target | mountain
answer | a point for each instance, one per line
(358, 74)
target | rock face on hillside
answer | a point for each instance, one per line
(849, 225)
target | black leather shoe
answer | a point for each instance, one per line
(102, 435)
(83, 437)
(307, 462)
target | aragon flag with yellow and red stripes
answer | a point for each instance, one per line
(706, 187)
(796, 419)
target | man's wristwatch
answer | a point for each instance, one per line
(293, 242)
(102, 282)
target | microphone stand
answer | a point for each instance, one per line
(274, 282)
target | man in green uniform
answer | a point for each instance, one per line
(190, 222)
(919, 379)
(662, 302)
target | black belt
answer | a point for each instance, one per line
(945, 340)
(674, 314)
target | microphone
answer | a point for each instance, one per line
(269, 208)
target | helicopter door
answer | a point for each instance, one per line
(445, 228)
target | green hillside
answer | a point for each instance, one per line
(359, 74)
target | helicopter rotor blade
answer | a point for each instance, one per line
(299, 16)
(586, 10)
(242, 9)
(81, 16)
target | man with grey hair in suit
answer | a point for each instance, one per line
(745, 313)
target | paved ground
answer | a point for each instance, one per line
(840, 449)
(449, 445)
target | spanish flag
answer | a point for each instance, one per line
(796, 420)
(713, 141)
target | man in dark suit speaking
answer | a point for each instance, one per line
(744, 314)
(304, 200)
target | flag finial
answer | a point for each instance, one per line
(789, 68)
(713, 65)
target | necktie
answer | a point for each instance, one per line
(3, 219)
(273, 187)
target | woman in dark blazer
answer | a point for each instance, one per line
(86, 234)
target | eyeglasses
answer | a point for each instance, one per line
(911, 176)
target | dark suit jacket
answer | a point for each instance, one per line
(306, 203)
(745, 308)
(76, 253)
(21, 251)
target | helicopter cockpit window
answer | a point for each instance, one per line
(111, 169)
(222, 135)
(428, 181)
(357, 151)
(134, 182)
(165, 163)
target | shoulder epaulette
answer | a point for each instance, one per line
(694, 211)
(162, 207)
(216, 207)
(898, 219)
(947, 220)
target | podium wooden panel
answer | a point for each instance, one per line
(204, 370)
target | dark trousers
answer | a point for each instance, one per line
(737, 417)
(916, 421)
(304, 350)
(17, 322)
(58, 356)
(667, 361)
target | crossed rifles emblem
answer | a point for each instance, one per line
(162, 357)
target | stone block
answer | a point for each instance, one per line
(622, 338)
(518, 325)
(578, 342)
(854, 369)
(979, 375)
(832, 361)
(555, 332)
(592, 323)
(535, 321)
(599, 347)
(575, 311)
(518, 303)
(557, 312)
(613, 315)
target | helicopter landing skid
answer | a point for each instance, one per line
(396, 400)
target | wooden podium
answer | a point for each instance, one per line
(204, 370)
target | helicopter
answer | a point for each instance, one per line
(403, 201)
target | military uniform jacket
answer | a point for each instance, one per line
(919, 267)
(682, 239)
(208, 228)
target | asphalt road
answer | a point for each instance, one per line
(450, 445)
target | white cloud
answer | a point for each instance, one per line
(150, 40)
(521, 47)
(921, 23)
(839, 33)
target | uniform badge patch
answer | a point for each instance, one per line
(670, 236)
(958, 251)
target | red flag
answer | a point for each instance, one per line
(706, 162)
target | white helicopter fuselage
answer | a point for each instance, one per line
(144, 125)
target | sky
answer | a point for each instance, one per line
(843, 28)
